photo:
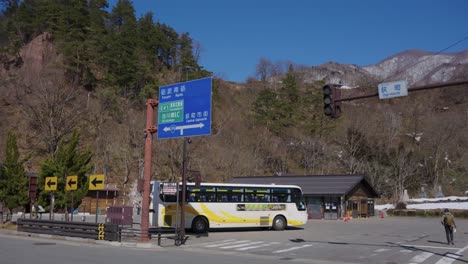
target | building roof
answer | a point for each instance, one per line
(314, 184)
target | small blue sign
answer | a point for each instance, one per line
(184, 109)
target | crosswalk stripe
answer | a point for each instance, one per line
(228, 243)
(242, 245)
(259, 246)
(452, 259)
(293, 248)
(421, 257)
(210, 243)
(381, 250)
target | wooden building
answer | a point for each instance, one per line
(327, 196)
(98, 202)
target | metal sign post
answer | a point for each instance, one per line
(71, 185)
(96, 183)
(184, 110)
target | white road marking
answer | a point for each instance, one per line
(293, 248)
(417, 246)
(406, 251)
(421, 257)
(210, 243)
(446, 260)
(259, 246)
(242, 245)
(228, 243)
(381, 250)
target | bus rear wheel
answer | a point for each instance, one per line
(200, 225)
(279, 223)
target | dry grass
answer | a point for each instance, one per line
(8, 225)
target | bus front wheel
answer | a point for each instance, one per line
(200, 225)
(279, 223)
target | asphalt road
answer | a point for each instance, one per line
(374, 240)
(389, 240)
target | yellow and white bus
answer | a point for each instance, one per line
(223, 205)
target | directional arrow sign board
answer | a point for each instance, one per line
(184, 109)
(50, 183)
(72, 183)
(96, 182)
(393, 89)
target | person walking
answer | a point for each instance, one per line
(448, 221)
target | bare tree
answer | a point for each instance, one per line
(403, 169)
(264, 69)
(53, 111)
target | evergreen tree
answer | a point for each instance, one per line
(186, 52)
(121, 57)
(72, 33)
(290, 90)
(269, 111)
(13, 179)
(279, 110)
(68, 160)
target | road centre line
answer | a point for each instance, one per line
(293, 248)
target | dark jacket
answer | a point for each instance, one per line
(448, 220)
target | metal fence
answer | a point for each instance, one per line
(110, 232)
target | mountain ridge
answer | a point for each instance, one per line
(417, 66)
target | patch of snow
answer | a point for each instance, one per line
(431, 203)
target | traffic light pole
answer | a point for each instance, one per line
(414, 89)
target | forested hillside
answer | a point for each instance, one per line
(76, 74)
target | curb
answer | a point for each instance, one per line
(142, 245)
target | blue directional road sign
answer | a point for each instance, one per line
(184, 109)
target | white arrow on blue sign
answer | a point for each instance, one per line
(184, 109)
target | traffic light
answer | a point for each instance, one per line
(331, 94)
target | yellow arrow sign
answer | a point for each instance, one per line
(50, 183)
(71, 183)
(96, 182)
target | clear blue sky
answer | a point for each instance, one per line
(235, 34)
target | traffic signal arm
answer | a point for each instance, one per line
(414, 89)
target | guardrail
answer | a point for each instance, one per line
(108, 232)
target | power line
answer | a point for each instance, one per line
(416, 63)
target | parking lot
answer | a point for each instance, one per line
(372, 240)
